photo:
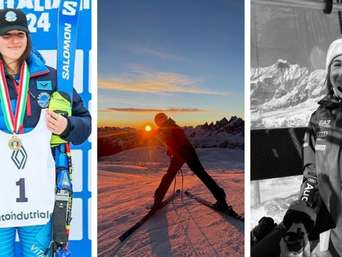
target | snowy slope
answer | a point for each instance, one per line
(154, 159)
(126, 183)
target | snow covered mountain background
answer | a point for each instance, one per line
(284, 94)
(222, 134)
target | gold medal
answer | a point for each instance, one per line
(14, 143)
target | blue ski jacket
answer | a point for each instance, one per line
(43, 82)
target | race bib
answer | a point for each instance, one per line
(27, 185)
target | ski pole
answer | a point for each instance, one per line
(174, 184)
(182, 184)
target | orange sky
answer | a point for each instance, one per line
(138, 119)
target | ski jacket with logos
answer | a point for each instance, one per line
(323, 160)
(175, 139)
(43, 82)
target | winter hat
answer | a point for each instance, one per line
(12, 19)
(160, 118)
(334, 50)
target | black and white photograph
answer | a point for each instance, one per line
(295, 97)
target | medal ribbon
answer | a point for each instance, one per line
(14, 121)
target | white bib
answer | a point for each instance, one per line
(27, 178)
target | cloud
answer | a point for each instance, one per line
(141, 110)
(143, 81)
(157, 53)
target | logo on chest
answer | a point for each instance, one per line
(44, 85)
(322, 134)
(324, 123)
(320, 147)
(19, 158)
(43, 99)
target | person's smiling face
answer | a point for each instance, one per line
(335, 75)
(12, 45)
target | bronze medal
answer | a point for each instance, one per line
(14, 143)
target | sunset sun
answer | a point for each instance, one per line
(148, 128)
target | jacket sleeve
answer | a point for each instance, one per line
(306, 208)
(79, 124)
(309, 190)
(309, 162)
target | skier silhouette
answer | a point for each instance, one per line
(181, 151)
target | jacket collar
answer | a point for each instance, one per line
(330, 102)
(36, 64)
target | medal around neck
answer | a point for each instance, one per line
(14, 143)
(14, 120)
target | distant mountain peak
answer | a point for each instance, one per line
(223, 133)
(284, 86)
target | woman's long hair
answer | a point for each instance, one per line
(25, 54)
(330, 91)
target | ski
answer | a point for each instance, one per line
(61, 102)
(230, 213)
(132, 229)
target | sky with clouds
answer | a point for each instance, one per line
(182, 57)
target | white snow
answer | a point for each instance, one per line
(296, 116)
(275, 197)
(285, 95)
(126, 185)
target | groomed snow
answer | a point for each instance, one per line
(126, 183)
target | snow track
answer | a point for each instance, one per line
(182, 228)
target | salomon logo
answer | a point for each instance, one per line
(66, 51)
(69, 8)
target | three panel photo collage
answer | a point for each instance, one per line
(180, 128)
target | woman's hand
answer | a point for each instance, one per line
(304, 252)
(56, 123)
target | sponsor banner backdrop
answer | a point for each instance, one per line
(42, 21)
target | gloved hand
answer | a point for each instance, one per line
(299, 212)
(295, 242)
(299, 220)
(264, 227)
